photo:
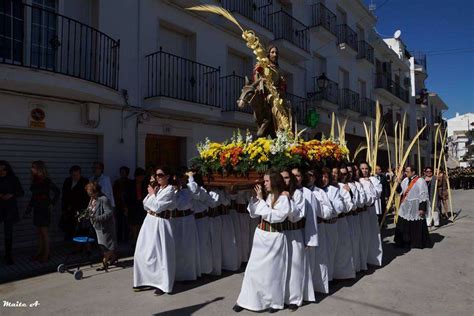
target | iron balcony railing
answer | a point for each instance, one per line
(299, 107)
(347, 35)
(41, 39)
(420, 58)
(256, 10)
(349, 100)
(330, 94)
(366, 51)
(367, 107)
(229, 92)
(285, 26)
(322, 16)
(384, 81)
(181, 78)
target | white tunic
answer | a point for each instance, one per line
(374, 253)
(409, 208)
(354, 226)
(364, 226)
(230, 252)
(299, 281)
(154, 258)
(200, 201)
(265, 277)
(344, 260)
(186, 239)
(243, 228)
(319, 257)
(215, 224)
(332, 232)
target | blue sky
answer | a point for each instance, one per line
(435, 26)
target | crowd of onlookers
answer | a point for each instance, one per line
(123, 207)
(461, 178)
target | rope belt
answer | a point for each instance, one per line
(213, 212)
(224, 210)
(180, 213)
(327, 221)
(165, 214)
(200, 215)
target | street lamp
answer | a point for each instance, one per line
(322, 82)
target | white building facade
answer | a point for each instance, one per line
(139, 83)
(459, 140)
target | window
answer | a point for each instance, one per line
(43, 34)
(320, 64)
(11, 31)
(341, 16)
(360, 33)
(238, 64)
(343, 79)
(175, 43)
(362, 89)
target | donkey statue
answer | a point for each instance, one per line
(253, 95)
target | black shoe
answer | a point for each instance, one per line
(158, 292)
(272, 310)
(237, 308)
(293, 307)
(141, 288)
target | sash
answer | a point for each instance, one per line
(410, 186)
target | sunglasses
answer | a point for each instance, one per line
(160, 175)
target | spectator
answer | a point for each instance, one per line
(41, 204)
(136, 211)
(443, 194)
(74, 200)
(10, 190)
(121, 190)
(103, 180)
(380, 175)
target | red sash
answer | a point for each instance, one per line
(410, 186)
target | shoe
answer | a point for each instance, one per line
(141, 288)
(158, 292)
(272, 310)
(105, 267)
(293, 307)
(237, 308)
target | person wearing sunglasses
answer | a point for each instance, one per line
(431, 183)
(10, 190)
(154, 259)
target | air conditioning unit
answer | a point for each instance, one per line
(90, 114)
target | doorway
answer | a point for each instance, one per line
(165, 151)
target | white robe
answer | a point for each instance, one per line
(409, 209)
(200, 204)
(215, 224)
(374, 250)
(242, 198)
(186, 239)
(344, 262)
(354, 226)
(154, 258)
(319, 258)
(230, 252)
(299, 281)
(265, 277)
(332, 232)
(364, 226)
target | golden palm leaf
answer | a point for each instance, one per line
(217, 10)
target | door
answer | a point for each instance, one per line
(11, 31)
(44, 34)
(59, 151)
(164, 151)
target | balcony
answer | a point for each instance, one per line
(257, 11)
(285, 27)
(347, 36)
(53, 44)
(177, 78)
(384, 81)
(366, 52)
(420, 59)
(349, 100)
(367, 107)
(322, 16)
(329, 98)
(299, 106)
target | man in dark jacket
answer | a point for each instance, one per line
(385, 189)
(74, 199)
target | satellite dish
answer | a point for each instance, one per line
(397, 34)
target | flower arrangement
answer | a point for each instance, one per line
(240, 156)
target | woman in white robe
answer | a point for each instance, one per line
(372, 187)
(185, 234)
(299, 281)
(230, 252)
(242, 218)
(265, 276)
(364, 224)
(200, 206)
(353, 220)
(154, 258)
(344, 262)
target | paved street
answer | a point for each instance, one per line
(438, 281)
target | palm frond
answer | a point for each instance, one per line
(216, 10)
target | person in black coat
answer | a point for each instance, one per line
(10, 190)
(385, 189)
(74, 200)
